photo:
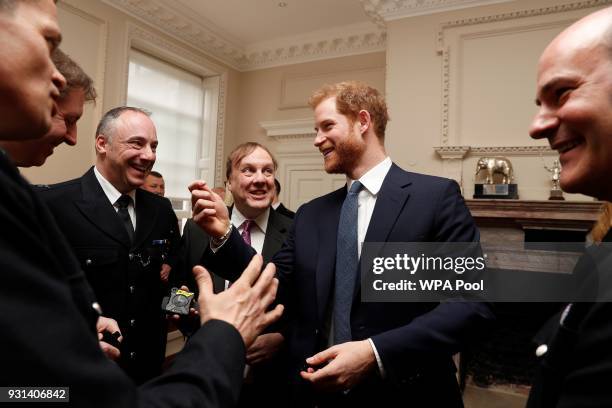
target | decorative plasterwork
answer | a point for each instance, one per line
(452, 152)
(176, 22)
(459, 152)
(512, 151)
(165, 16)
(289, 129)
(517, 14)
(444, 50)
(337, 42)
(387, 10)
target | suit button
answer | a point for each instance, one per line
(88, 262)
(133, 355)
(132, 289)
(541, 350)
(132, 322)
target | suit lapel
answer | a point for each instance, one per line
(146, 217)
(326, 257)
(275, 236)
(390, 202)
(99, 211)
(391, 199)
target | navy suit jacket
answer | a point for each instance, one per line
(415, 341)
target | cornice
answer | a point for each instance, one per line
(381, 11)
(323, 44)
(459, 152)
(167, 18)
(289, 129)
(211, 40)
(512, 150)
(452, 152)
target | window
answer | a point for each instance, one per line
(176, 98)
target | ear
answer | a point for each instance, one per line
(101, 144)
(365, 121)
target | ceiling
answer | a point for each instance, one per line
(255, 34)
(253, 21)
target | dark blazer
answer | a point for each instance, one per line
(414, 340)
(281, 209)
(125, 277)
(195, 241)
(578, 361)
(267, 385)
(49, 336)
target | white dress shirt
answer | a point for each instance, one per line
(113, 195)
(258, 229)
(372, 181)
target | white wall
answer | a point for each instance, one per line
(467, 78)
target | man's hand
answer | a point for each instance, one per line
(347, 365)
(165, 272)
(110, 325)
(264, 348)
(244, 304)
(209, 210)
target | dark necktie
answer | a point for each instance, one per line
(122, 204)
(246, 231)
(347, 259)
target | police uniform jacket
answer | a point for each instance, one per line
(125, 276)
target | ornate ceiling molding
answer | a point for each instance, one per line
(338, 42)
(210, 39)
(381, 11)
(167, 18)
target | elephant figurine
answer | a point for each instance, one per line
(492, 165)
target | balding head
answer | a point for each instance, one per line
(574, 92)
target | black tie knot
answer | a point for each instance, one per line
(124, 201)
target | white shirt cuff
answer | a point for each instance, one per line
(381, 369)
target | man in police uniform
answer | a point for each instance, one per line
(121, 235)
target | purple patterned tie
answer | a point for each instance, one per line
(246, 231)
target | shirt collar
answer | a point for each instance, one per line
(372, 180)
(261, 221)
(110, 191)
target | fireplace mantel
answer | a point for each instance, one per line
(524, 214)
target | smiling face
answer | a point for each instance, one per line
(63, 130)
(126, 156)
(338, 138)
(30, 82)
(574, 92)
(251, 183)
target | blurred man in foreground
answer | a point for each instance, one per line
(78, 90)
(574, 95)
